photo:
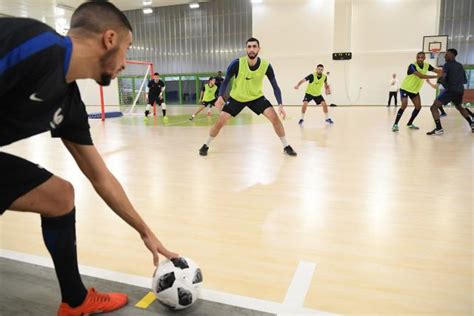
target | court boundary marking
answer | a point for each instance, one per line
(291, 306)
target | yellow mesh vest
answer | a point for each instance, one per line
(248, 85)
(209, 93)
(412, 83)
(315, 88)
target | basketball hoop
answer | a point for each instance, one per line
(434, 52)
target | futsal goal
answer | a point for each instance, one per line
(131, 87)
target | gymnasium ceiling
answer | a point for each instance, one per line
(47, 9)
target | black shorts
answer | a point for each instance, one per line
(18, 177)
(155, 98)
(449, 96)
(211, 103)
(406, 94)
(234, 107)
(318, 100)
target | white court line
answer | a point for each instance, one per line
(299, 286)
(140, 281)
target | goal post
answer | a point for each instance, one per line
(132, 85)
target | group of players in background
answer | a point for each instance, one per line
(450, 80)
(451, 77)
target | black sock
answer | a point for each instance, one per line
(399, 115)
(438, 124)
(413, 116)
(470, 113)
(59, 235)
(164, 112)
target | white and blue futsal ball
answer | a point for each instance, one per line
(177, 282)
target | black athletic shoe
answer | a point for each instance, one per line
(289, 151)
(472, 127)
(436, 132)
(146, 113)
(203, 150)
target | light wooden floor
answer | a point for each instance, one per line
(387, 218)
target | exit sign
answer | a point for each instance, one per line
(341, 56)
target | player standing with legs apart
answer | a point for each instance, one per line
(411, 87)
(38, 90)
(208, 97)
(393, 89)
(156, 88)
(247, 91)
(453, 79)
(314, 92)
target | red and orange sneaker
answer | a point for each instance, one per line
(95, 302)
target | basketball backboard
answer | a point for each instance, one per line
(435, 42)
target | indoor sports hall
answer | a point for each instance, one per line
(366, 215)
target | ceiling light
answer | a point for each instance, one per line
(146, 2)
(194, 5)
(65, 7)
(257, 1)
(148, 10)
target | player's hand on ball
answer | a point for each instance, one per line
(156, 247)
(282, 112)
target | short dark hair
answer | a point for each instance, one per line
(453, 51)
(420, 53)
(253, 39)
(97, 16)
(320, 65)
(210, 78)
(156, 74)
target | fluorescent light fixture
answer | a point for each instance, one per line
(147, 10)
(257, 1)
(194, 5)
(146, 2)
(65, 7)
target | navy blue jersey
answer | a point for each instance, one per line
(454, 76)
(219, 81)
(34, 94)
(155, 87)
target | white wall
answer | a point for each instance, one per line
(295, 36)
(383, 35)
(90, 93)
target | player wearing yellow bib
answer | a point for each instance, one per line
(411, 87)
(314, 92)
(248, 73)
(208, 97)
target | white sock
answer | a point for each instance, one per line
(193, 115)
(326, 115)
(209, 140)
(148, 107)
(302, 116)
(283, 141)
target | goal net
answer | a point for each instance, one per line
(132, 86)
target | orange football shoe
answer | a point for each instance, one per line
(95, 302)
